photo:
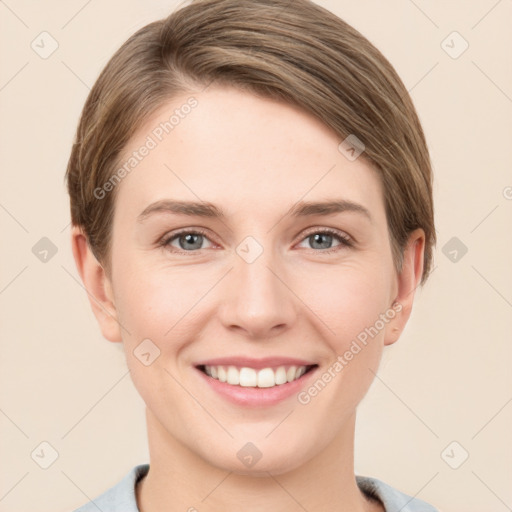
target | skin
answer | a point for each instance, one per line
(255, 158)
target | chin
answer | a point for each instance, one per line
(265, 459)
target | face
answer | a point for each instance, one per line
(226, 263)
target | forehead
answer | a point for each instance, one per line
(242, 151)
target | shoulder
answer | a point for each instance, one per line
(120, 497)
(392, 498)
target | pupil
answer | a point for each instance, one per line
(189, 238)
(318, 237)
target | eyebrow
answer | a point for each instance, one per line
(205, 209)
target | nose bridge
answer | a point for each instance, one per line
(259, 300)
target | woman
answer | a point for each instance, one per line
(251, 198)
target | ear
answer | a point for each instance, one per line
(407, 281)
(97, 284)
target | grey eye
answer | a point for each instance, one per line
(324, 240)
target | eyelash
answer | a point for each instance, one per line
(345, 240)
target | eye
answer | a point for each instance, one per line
(188, 241)
(322, 239)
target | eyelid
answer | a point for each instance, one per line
(332, 231)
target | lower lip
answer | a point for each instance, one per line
(257, 397)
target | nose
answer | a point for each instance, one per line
(257, 299)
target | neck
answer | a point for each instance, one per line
(180, 480)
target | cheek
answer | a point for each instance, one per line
(149, 303)
(157, 305)
(347, 300)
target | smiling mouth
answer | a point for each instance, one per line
(256, 378)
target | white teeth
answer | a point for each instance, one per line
(221, 374)
(233, 376)
(248, 377)
(251, 378)
(280, 377)
(266, 378)
(290, 374)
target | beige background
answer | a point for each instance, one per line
(448, 378)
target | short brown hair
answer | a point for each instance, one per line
(296, 52)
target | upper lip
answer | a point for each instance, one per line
(266, 362)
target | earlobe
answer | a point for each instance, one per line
(97, 285)
(408, 280)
